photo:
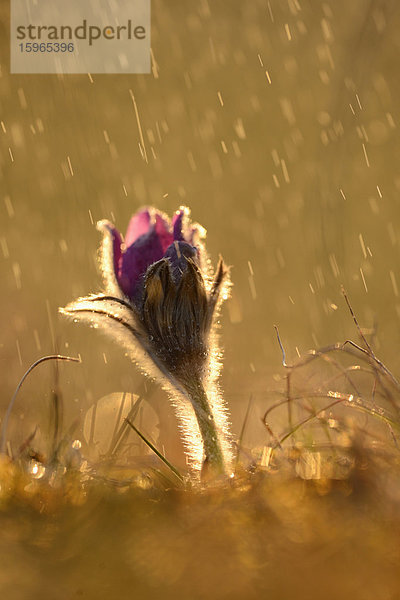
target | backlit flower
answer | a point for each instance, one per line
(161, 302)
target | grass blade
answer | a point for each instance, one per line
(154, 449)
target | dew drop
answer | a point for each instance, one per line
(36, 469)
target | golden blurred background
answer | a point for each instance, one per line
(276, 122)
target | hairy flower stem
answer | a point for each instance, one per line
(214, 460)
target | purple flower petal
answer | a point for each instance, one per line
(183, 230)
(145, 220)
(177, 224)
(162, 229)
(138, 225)
(136, 259)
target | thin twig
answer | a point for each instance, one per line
(347, 399)
(360, 333)
(240, 440)
(376, 360)
(370, 352)
(25, 375)
(282, 349)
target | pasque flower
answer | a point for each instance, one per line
(161, 302)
